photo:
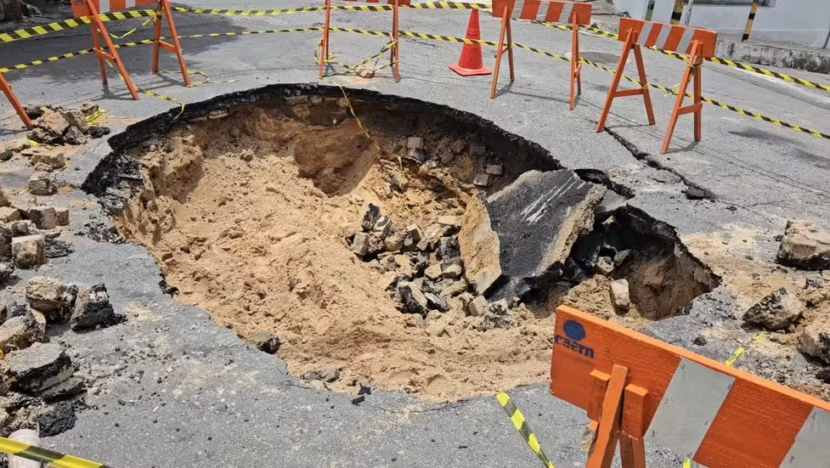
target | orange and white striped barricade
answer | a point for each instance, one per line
(394, 55)
(574, 14)
(697, 43)
(7, 89)
(637, 388)
(92, 8)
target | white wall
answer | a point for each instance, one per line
(805, 22)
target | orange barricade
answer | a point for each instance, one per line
(550, 11)
(697, 43)
(635, 388)
(92, 8)
(7, 89)
(394, 56)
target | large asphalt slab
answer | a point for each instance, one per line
(195, 395)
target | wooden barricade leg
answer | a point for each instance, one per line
(395, 53)
(614, 92)
(576, 64)
(7, 89)
(608, 431)
(163, 11)
(324, 42)
(111, 54)
(692, 69)
(501, 48)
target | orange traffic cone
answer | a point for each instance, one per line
(470, 63)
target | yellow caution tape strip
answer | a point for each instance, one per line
(721, 61)
(58, 460)
(286, 11)
(738, 352)
(520, 424)
(73, 23)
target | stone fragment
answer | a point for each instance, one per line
(17, 333)
(436, 301)
(417, 155)
(393, 242)
(610, 204)
(804, 246)
(44, 217)
(620, 298)
(452, 221)
(777, 311)
(329, 374)
(423, 246)
(458, 145)
(64, 390)
(4, 199)
(92, 307)
(42, 184)
(448, 248)
(604, 266)
(6, 272)
(21, 228)
(481, 180)
(494, 169)
(38, 367)
(452, 272)
(413, 299)
(9, 214)
(63, 216)
(454, 288)
(477, 307)
(447, 157)
(498, 315)
(415, 232)
(29, 251)
(88, 108)
(815, 340)
(55, 419)
(34, 111)
(479, 247)
(74, 136)
(365, 71)
(433, 272)
(382, 226)
(370, 216)
(477, 149)
(52, 126)
(99, 131)
(404, 265)
(416, 143)
(360, 243)
(266, 341)
(538, 218)
(76, 119)
(49, 295)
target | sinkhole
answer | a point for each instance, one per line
(418, 248)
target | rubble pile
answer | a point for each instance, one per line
(39, 388)
(29, 234)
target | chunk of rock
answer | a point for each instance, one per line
(479, 246)
(52, 126)
(62, 214)
(451, 221)
(413, 299)
(64, 390)
(44, 217)
(55, 419)
(481, 180)
(42, 184)
(17, 333)
(4, 199)
(266, 342)
(49, 295)
(382, 226)
(9, 214)
(477, 307)
(415, 232)
(458, 145)
(437, 301)
(433, 272)
(360, 244)
(620, 297)
(610, 204)
(804, 246)
(537, 219)
(92, 307)
(498, 315)
(370, 216)
(54, 158)
(452, 272)
(604, 266)
(415, 143)
(477, 149)
(75, 118)
(815, 340)
(38, 367)
(393, 242)
(74, 136)
(29, 251)
(88, 108)
(6, 272)
(494, 169)
(777, 311)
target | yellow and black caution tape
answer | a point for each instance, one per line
(288, 11)
(149, 20)
(58, 460)
(520, 424)
(72, 23)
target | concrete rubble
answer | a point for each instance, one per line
(779, 311)
(805, 247)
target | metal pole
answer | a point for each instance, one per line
(650, 10)
(689, 13)
(748, 28)
(678, 12)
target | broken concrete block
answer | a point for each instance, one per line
(9, 214)
(4, 199)
(64, 390)
(815, 339)
(370, 216)
(75, 118)
(417, 155)
(775, 312)
(393, 242)
(437, 301)
(42, 184)
(454, 288)
(415, 233)
(604, 266)
(498, 315)
(433, 272)
(88, 108)
(413, 299)
(458, 145)
(447, 157)
(479, 247)
(52, 126)
(54, 158)
(6, 236)
(404, 265)
(477, 307)
(415, 143)
(477, 149)
(6, 272)
(63, 216)
(494, 169)
(55, 419)
(620, 298)
(452, 221)
(21, 228)
(266, 341)
(538, 218)
(92, 307)
(804, 246)
(41, 366)
(17, 333)
(44, 217)
(610, 204)
(382, 226)
(481, 180)
(360, 244)
(423, 246)
(448, 248)
(29, 251)
(49, 295)
(74, 136)
(452, 272)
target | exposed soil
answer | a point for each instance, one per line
(250, 216)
